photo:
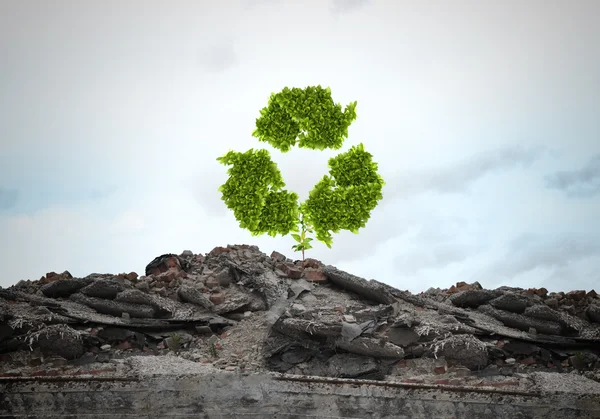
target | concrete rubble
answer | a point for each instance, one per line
(239, 310)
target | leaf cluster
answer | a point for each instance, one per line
(307, 117)
(344, 199)
(255, 194)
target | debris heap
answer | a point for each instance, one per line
(238, 309)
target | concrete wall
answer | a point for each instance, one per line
(236, 396)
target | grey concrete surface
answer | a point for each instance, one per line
(220, 395)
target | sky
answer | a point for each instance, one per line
(484, 118)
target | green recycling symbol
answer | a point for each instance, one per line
(341, 200)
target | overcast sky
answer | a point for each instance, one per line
(484, 117)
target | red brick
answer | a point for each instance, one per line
(293, 272)
(124, 345)
(315, 276)
(217, 298)
(311, 263)
(403, 363)
(219, 250)
(528, 361)
(440, 370)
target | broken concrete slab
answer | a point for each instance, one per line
(371, 290)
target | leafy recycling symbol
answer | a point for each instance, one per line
(342, 200)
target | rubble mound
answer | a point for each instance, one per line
(238, 309)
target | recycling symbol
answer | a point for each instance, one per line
(342, 200)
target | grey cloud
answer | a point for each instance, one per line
(8, 198)
(583, 182)
(529, 252)
(439, 243)
(457, 178)
(218, 57)
(346, 6)
(432, 256)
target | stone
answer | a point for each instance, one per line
(292, 271)
(512, 302)
(543, 312)
(351, 366)
(211, 283)
(472, 298)
(521, 348)
(402, 336)
(223, 278)
(105, 348)
(233, 301)
(278, 256)
(314, 275)
(521, 322)
(114, 308)
(59, 340)
(143, 286)
(371, 290)
(217, 298)
(166, 262)
(103, 288)
(193, 295)
(65, 287)
(465, 350)
(576, 295)
(593, 312)
(187, 254)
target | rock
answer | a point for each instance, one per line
(522, 322)
(583, 360)
(351, 366)
(65, 287)
(465, 350)
(543, 312)
(53, 276)
(143, 286)
(114, 308)
(60, 340)
(278, 256)
(224, 278)
(371, 290)
(166, 262)
(115, 334)
(234, 301)
(593, 313)
(512, 302)
(403, 336)
(135, 296)
(212, 283)
(217, 298)
(293, 272)
(296, 354)
(103, 288)
(187, 254)
(521, 348)
(472, 298)
(314, 275)
(193, 295)
(577, 295)
(371, 347)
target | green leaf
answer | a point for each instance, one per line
(297, 237)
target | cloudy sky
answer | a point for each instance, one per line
(484, 117)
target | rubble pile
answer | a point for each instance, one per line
(238, 309)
